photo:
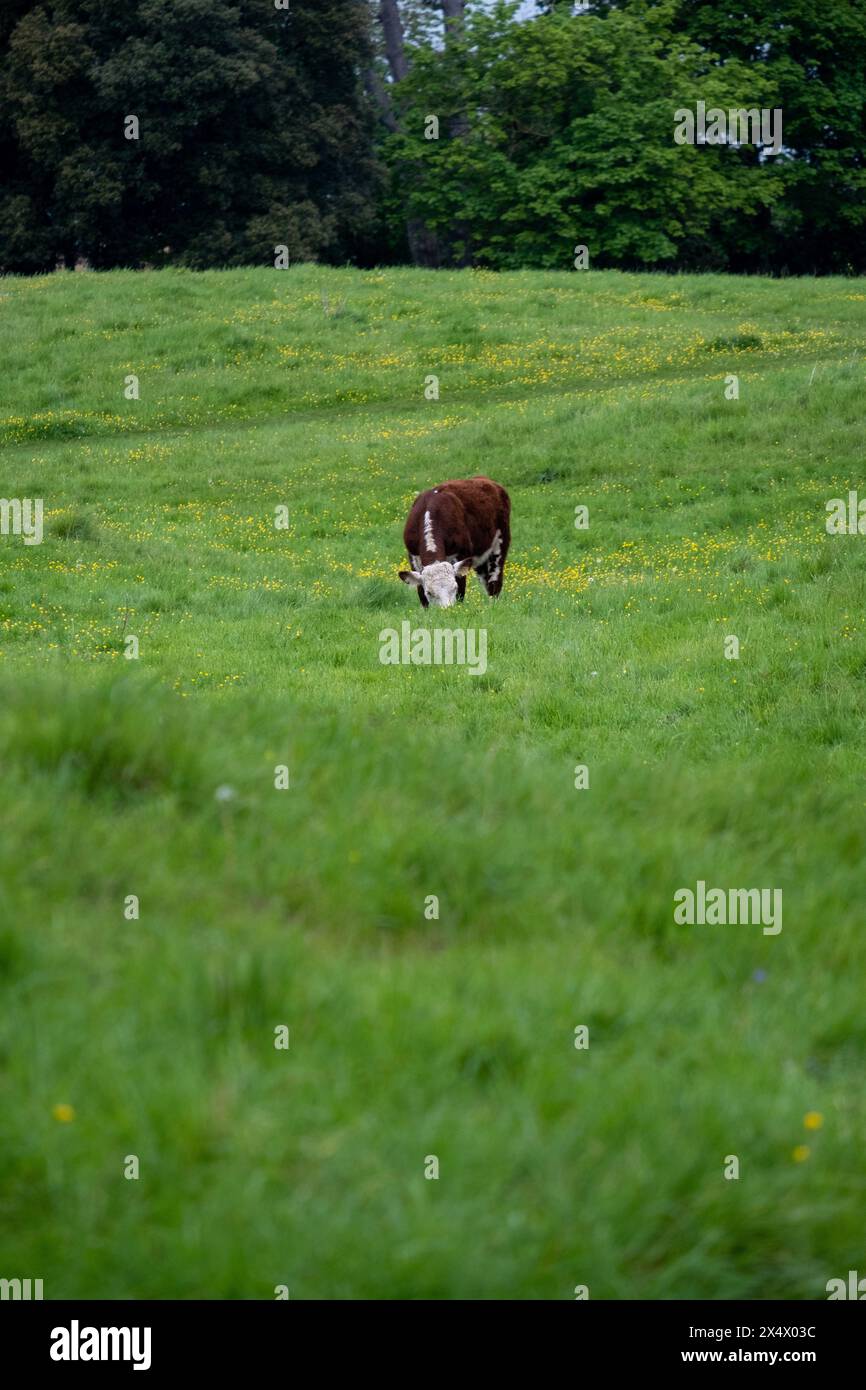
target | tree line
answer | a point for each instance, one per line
(435, 132)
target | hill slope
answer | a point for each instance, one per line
(413, 1035)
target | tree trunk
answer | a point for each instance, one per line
(458, 126)
(395, 45)
(453, 11)
(375, 88)
(423, 241)
(423, 244)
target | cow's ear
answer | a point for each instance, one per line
(410, 577)
(462, 567)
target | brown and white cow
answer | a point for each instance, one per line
(452, 529)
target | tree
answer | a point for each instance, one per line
(559, 127)
(570, 140)
(252, 131)
(404, 26)
(814, 59)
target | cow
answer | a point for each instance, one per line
(453, 529)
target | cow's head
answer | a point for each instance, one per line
(438, 581)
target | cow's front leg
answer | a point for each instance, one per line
(495, 576)
(422, 597)
(496, 563)
(461, 587)
(496, 568)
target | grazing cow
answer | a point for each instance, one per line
(452, 529)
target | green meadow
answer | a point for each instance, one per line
(419, 1031)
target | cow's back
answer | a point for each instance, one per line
(485, 503)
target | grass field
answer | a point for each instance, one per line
(412, 1036)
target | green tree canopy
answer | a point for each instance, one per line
(569, 136)
(253, 131)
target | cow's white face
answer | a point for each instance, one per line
(438, 581)
(440, 584)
